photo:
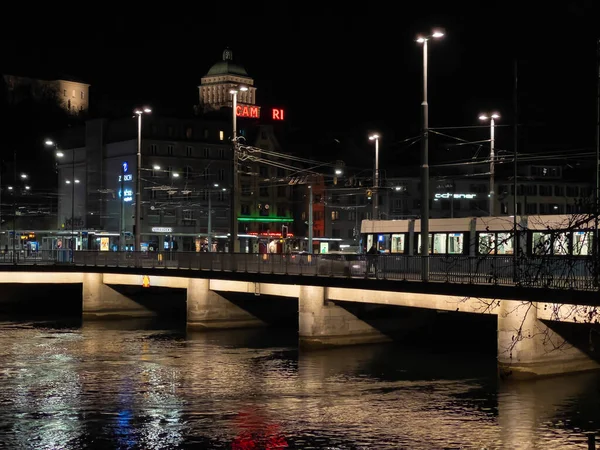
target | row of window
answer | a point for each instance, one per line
(547, 190)
(263, 191)
(82, 94)
(190, 151)
(157, 194)
(280, 211)
(187, 132)
(188, 173)
(577, 243)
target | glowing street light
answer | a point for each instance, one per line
(138, 200)
(436, 34)
(156, 167)
(491, 117)
(375, 137)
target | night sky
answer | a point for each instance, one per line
(342, 75)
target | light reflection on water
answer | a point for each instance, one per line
(111, 385)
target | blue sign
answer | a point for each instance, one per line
(125, 167)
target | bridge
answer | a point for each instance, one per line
(336, 295)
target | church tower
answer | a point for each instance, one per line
(220, 79)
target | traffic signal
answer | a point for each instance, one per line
(284, 231)
(369, 194)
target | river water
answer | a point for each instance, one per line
(143, 385)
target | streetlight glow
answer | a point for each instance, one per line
(233, 91)
(76, 181)
(10, 188)
(243, 88)
(147, 110)
(24, 176)
(175, 175)
(483, 117)
(216, 185)
(373, 137)
(60, 154)
(49, 142)
(495, 116)
(27, 188)
(68, 181)
(156, 167)
(338, 171)
(437, 34)
(420, 39)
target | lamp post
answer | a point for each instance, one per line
(72, 182)
(375, 137)
(235, 245)
(138, 198)
(492, 117)
(436, 34)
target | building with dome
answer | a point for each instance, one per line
(223, 76)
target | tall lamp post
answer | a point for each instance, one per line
(375, 137)
(492, 117)
(436, 34)
(138, 198)
(72, 182)
(235, 245)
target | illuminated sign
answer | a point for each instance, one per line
(125, 167)
(455, 196)
(248, 111)
(162, 229)
(128, 177)
(127, 195)
(277, 114)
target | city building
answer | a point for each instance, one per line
(72, 95)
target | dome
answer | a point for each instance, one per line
(227, 66)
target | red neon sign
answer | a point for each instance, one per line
(247, 111)
(278, 113)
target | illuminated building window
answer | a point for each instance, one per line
(221, 135)
(65, 92)
(82, 95)
(73, 93)
(335, 215)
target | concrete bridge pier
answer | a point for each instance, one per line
(103, 302)
(207, 309)
(528, 348)
(324, 324)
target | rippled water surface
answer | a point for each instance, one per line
(137, 385)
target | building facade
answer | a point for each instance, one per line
(72, 95)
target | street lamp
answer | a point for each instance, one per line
(234, 191)
(375, 137)
(436, 34)
(138, 200)
(492, 117)
(59, 154)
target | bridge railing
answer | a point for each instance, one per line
(551, 272)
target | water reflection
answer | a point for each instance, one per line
(112, 385)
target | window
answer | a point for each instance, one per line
(221, 135)
(504, 244)
(559, 191)
(153, 149)
(582, 243)
(439, 243)
(572, 191)
(531, 189)
(560, 243)
(205, 133)
(221, 153)
(65, 93)
(246, 190)
(73, 93)
(398, 243)
(189, 151)
(280, 172)
(169, 171)
(222, 196)
(419, 243)
(205, 152)
(188, 173)
(263, 171)
(351, 215)
(245, 210)
(455, 243)
(335, 233)
(188, 215)
(303, 215)
(486, 243)
(531, 208)
(282, 191)
(335, 215)
(317, 215)
(263, 191)
(264, 211)
(350, 233)
(170, 130)
(82, 95)
(170, 150)
(221, 174)
(189, 131)
(282, 210)
(540, 243)
(545, 191)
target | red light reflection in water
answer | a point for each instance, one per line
(256, 433)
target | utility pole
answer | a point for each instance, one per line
(14, 244)
(310, 219)
(209, 227)
(515, 184)
(597, 195)
(122, 197)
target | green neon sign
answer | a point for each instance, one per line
(265, 219)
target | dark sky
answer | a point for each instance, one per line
(341, 73)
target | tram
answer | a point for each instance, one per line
(555, 235)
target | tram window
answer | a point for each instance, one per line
(486, 243)
(505, 244)
(430, 243)
(397, 243)
(582, 243)
(369, 241)
(560, 244)
(540, 243)
(383, 243)
(439, 243)
(455, 243)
